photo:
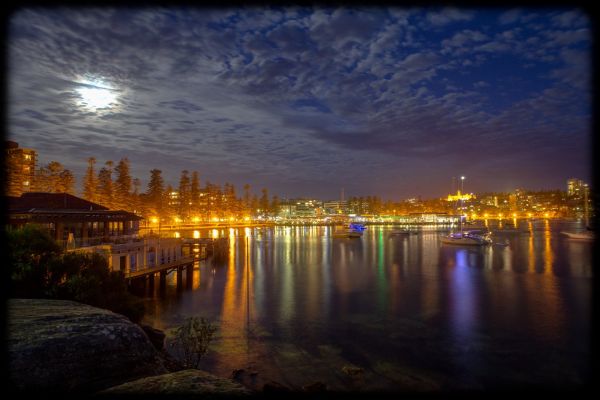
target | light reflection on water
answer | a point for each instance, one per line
(296, 306)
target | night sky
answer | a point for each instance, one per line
(304, 101)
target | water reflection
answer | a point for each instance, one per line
(299, 304)
(462, 295)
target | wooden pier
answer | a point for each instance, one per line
(218, 248)
(147, 275)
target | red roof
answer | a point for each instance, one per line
(51, 201)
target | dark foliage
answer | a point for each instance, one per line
(40, 269)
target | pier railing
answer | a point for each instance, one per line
(146, 269)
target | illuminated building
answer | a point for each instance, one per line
(575, 188)
(300, 208)
(81, 225)
(173, 198)
(70, 220)
(19, 167)
(335, 206)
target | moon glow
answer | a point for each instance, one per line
(96, 95)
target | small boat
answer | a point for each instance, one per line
(471, 238)
(586, 235)
(357, 227)
(346, 233)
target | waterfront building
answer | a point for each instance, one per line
(81, 225)
(299, 208)
(426, 218)
(307, 208)
(70, 219)
(19, 167)
(333, 207)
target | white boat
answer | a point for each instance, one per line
(471, 238)
(585, 235)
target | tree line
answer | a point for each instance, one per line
(113, 186)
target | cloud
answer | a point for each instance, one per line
(566, 38)
(448, 15)
(570, 19)
(284, 95)
(457, 44)
(510, 16)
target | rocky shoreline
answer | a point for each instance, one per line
(59, 346)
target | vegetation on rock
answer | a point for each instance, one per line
(39, 268)
(191, 339)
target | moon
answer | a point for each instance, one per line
(96, 95)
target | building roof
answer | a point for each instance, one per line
(51, 201)
(73, 215)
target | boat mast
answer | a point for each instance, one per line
(462, 180)
(585, 205)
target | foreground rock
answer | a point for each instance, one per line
(156, 336)
(189, 381)
(58, 345)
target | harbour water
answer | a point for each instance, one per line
(384, 312)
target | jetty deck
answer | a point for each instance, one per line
(182, 262)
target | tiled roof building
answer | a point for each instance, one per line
(70, 219)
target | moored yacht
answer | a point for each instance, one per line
(476, 238)
(346, 233)
(349, 232)
(355, 226)
(470, 237)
